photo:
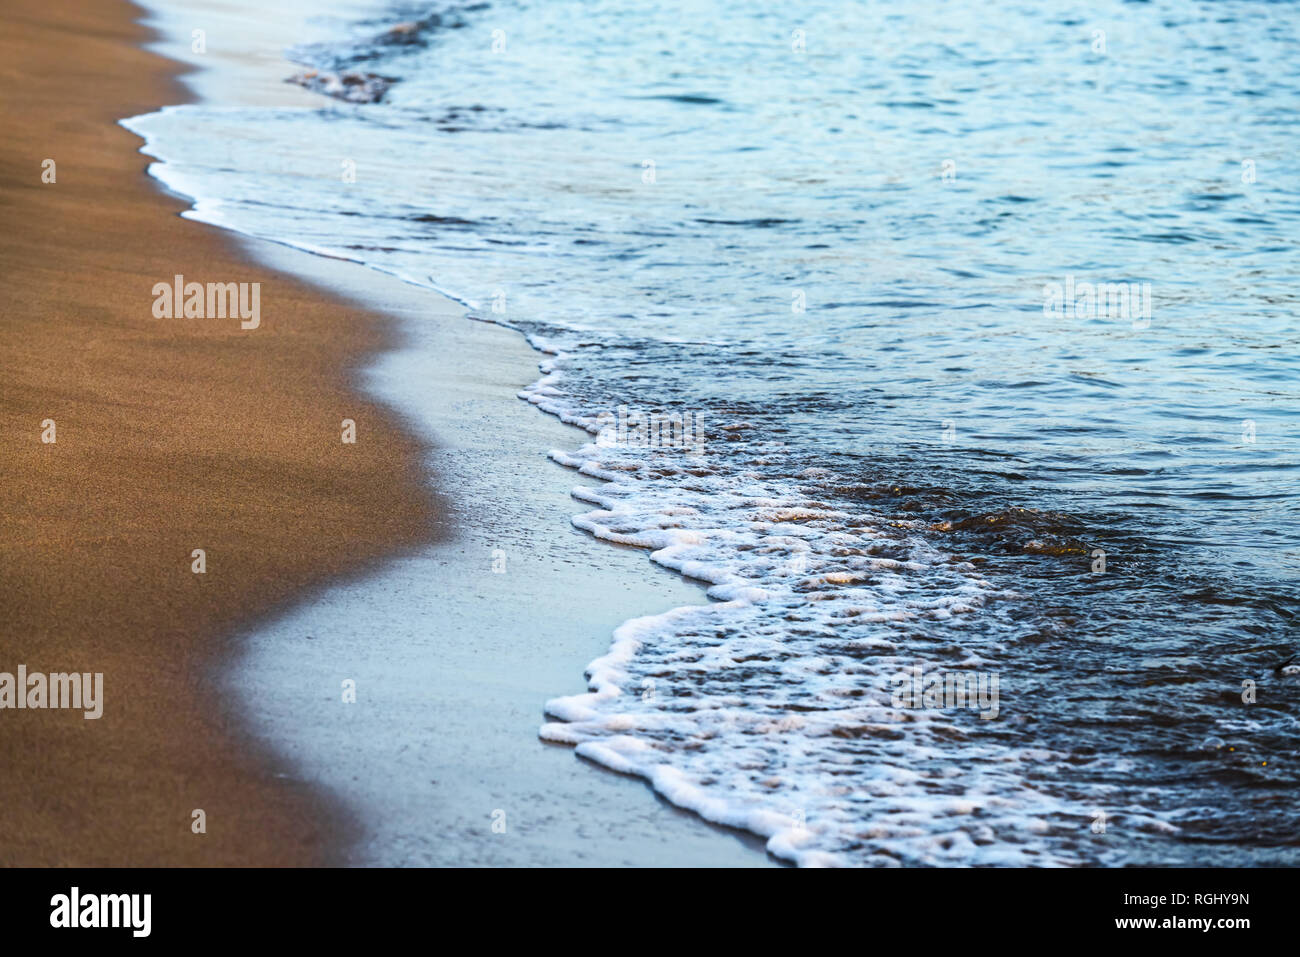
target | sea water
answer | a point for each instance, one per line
(951, 340)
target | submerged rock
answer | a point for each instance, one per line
(406, 34)
(352, 86)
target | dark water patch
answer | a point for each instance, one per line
(763, 223)
(691, 99)
(441, 220)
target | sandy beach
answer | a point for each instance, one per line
(609, 435)
(456, 646)
(171, 435)
(174, 434)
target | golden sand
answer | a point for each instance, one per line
(172, 435)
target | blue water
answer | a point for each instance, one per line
(827, 232)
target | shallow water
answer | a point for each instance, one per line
(828, 238)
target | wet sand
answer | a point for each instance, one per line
(324, 560)
(171, 435)
(456, 646)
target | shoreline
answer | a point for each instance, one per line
(206, 729)
(301, 580)
(419, 672)
(456, 646)
(171, 435)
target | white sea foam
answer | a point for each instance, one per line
(769, 710)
